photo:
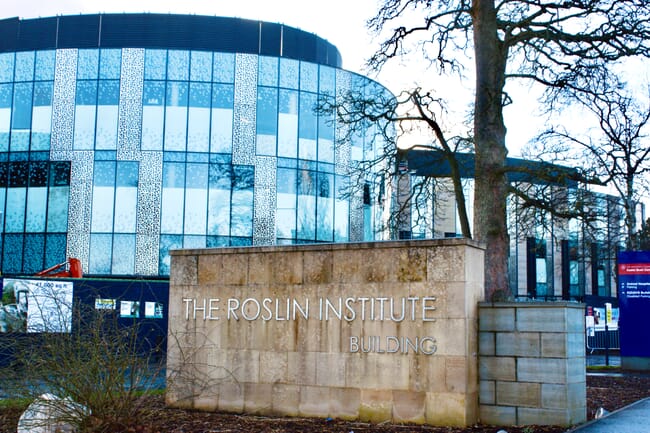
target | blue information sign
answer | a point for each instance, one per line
(634, 302)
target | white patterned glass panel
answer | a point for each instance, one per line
(268, 71)
(24, 66)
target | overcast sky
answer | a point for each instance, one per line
(341, 22)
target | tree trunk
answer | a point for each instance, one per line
(491, 187)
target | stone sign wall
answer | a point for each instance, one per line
(370, 331)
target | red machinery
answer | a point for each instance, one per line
(71, 268)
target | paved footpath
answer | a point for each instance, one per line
(634, 418)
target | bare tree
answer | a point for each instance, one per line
(557, 44)
(615, 150)
(391, 118)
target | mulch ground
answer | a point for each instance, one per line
(608, 392)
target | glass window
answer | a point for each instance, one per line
(341, 210)
(242, 201)
(289, 73)
(153, 115)
(103, 197)
(6, 96)
(12, 256)
(173, 198)
(176, 116)
(268, 71)
(37, 197)
(15, 210)
(219, 189)
(222, 118)
(101, 248)
(178, 65)
(267, 120)
(45, 64)
(110, 63)
(196, 199)
(286, 203)
(308, 126)
(24, 66)
(55, 249)
(288, 123)
(309, 77)
(327, 80)
(325, 209)
(34, 252)
(167, 242)
(107, 114)
(59, 181)
(126, 197)
(123, 262)
(201, 66)
(223, 68)
(326, 138)
(198, 128)
(85, 113)
(22, 116)
(306, 210)
(87, 64)
(155, 64)
(6, 67)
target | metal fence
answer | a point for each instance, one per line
(599, 339)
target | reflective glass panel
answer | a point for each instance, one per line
(309, 77)
(223, 68)
(153, 115)
(110, 63)
(45, 63)
(201, 66)
(34, 253)
(178, 65)
(22, 116)
(24, 66)
(306, 209)
(103, 196)
(325, 210)
(176, 116)
(42, 115)
(173, 198)
(289, 73)
(222, 118)
(126, 197)
(286, 203)
(123, 262)
(6, 94)
(196, 199)
(107, 114)
(155, 64)
(101, 248)
(308, 126)
(242, 201)
(87, 64)
(220, 181)
(6, 67)
(267, 120)
(288, 123)
(198, 130)
(268, 71)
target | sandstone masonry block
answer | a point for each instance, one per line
(517, 344)
(496, 319)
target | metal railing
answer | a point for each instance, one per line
(599, 339)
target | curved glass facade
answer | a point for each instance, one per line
(117, 154)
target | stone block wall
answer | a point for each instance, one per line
(532, 363)
(236, 345)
